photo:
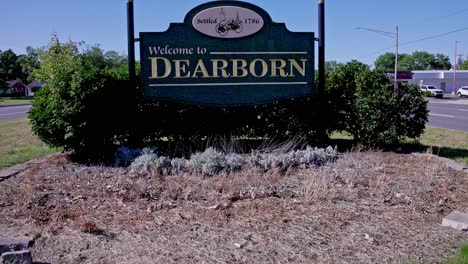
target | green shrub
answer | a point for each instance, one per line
(365, 105)
(280, 120)
(83, 108)
(87, 107)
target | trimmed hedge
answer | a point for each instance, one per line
(366, 105)
(91, 110)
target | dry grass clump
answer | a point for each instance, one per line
(370, 177)
(317, 186)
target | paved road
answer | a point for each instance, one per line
(14, 112)
(449, 113)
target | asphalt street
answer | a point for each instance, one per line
(14, 112)
(449, 113)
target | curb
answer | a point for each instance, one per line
(14, 105)
(12, 171)
(18, 168)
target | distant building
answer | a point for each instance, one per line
(442, 79)
(14, 87)
(33, 87)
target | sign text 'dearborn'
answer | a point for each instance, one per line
(227, 53)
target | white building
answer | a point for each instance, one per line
(440, 79)
(33, 87)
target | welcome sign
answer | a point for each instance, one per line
(227, 53)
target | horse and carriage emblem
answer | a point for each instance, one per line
(225, 25)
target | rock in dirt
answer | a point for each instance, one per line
(9, 245)
(456, 220)
(221, 206)
(17, 257)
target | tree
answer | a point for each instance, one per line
(9, 67)
(109, 61)
(330, 65)
(386, 62)
(2, 80)
(28, 63)
(464, 65)
(114, 59)
(442, 62)
(419, 60)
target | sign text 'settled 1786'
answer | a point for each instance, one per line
(227, 53)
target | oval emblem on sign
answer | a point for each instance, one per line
(228, 22)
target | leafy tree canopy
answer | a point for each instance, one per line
(331, 65)
(22, 67)
(9, 67)
(28, 63)
(419, 60)
(464, 65)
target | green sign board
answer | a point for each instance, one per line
(227, 53)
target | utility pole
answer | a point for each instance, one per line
(131, 42)
(454, 89)
(321, 47)
(395, 87)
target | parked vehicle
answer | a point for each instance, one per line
(432, 89)
(463, 91)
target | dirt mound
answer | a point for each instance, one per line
(364, 208)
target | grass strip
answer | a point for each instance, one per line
(442, 142)
(446, 143)
(18, 144)
(6, 101)
(461, 258)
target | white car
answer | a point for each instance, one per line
(463, 91)
(432, 89)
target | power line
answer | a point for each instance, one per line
(432, 37)
(376, 52)
(415, 41)
(443, 16)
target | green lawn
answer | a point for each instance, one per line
(5, 101)
(446, 143)
(18, 144)
(461, 258)
(442, 142)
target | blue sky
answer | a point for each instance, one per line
(31, 22)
